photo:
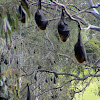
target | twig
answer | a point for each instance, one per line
(87, 83)
(55, 88)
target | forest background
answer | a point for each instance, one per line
(41, 59)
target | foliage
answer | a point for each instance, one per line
(40, 58)
(93, 49)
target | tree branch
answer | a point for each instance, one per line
(69, 74)
(85, 10)
(55, 88)
(87, 83)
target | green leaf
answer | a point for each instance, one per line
(26, 8)
(26, 16)
(2, 31)
(9, 33)
(5, 89)
(8, 25)
(9, 18)
(16, 20)
(1, 23)
(5, 26)
(4, 78)
(6, 36)
(1, 83)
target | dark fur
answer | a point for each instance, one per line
(63, 29)
(28, 93)
(40, 18)
(79, 50)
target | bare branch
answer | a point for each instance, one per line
(92, 27)
(82, 11)
(68, 14)
(66, 56)
(69, 74)
(94, 12)
(87, 83)
(55, 87)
